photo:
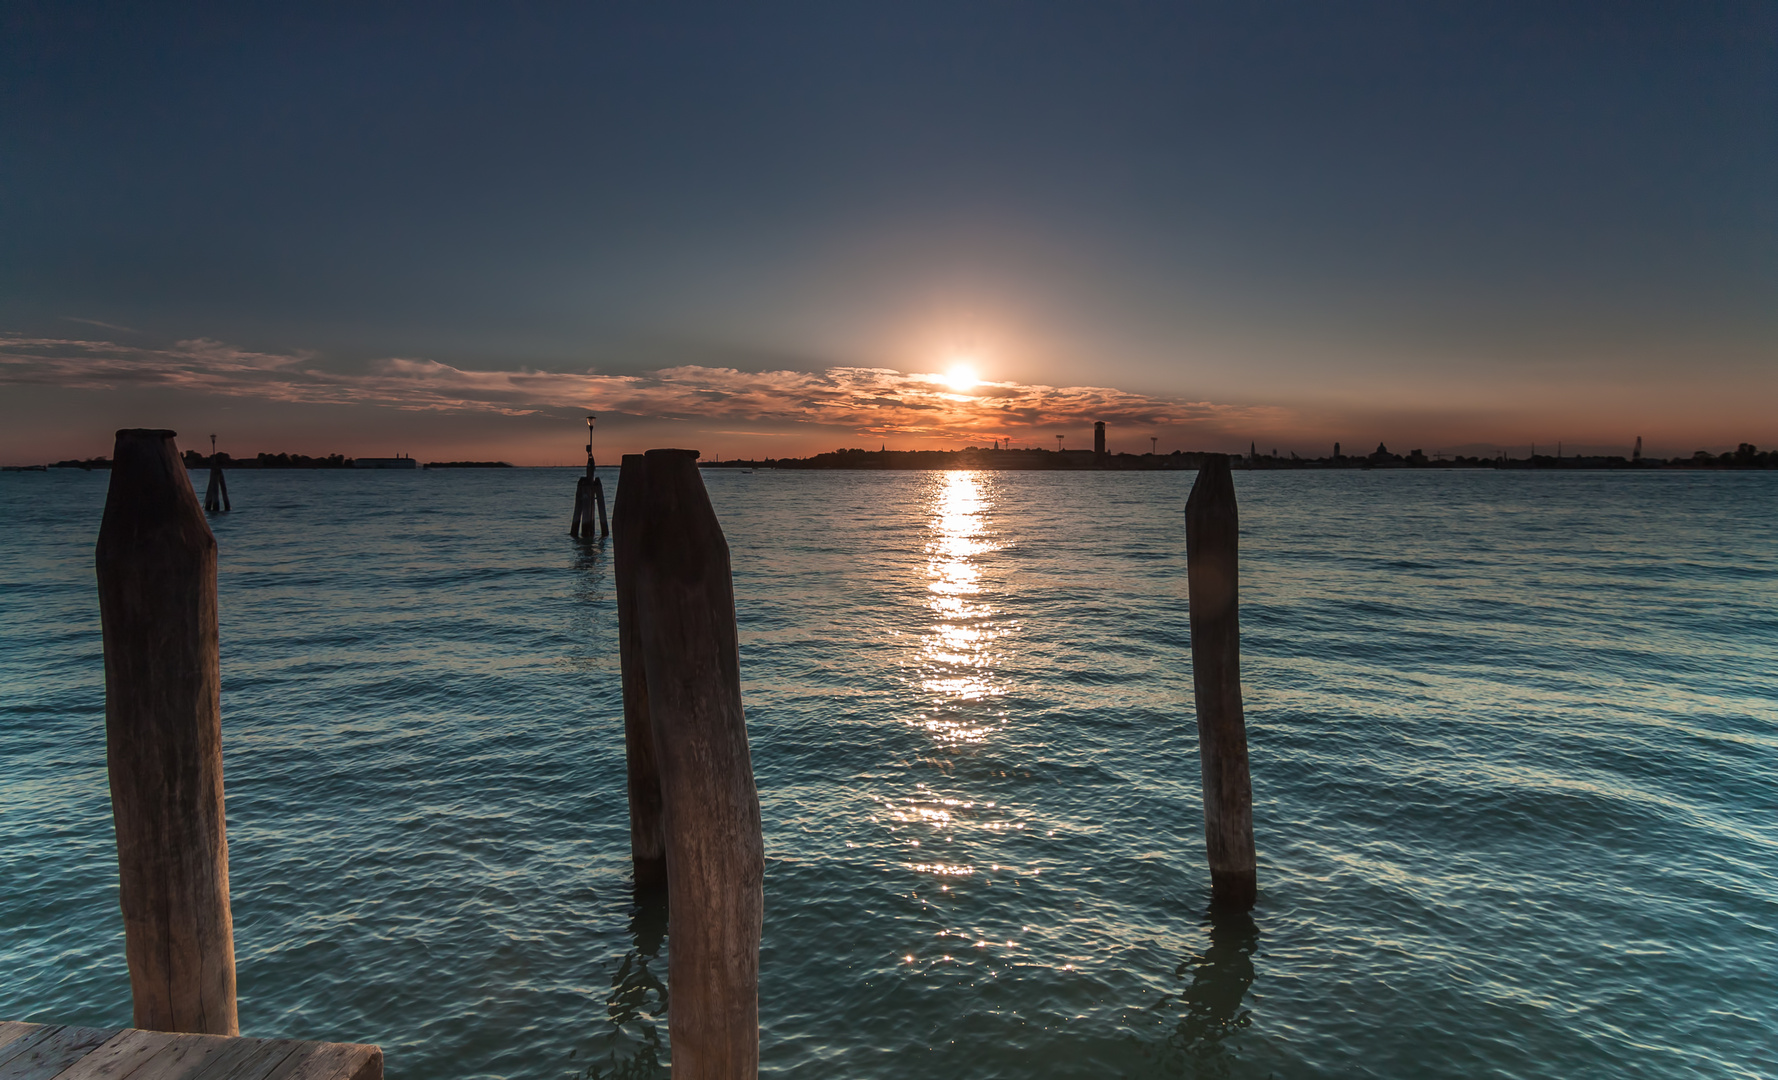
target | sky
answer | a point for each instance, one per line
(452, 231)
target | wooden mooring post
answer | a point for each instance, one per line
(589, 496)
(216, 494)
(156, 564)
(648, 852)
(690, 768)
(1212, 542)
(581, 517)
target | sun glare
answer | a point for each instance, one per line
(961, 378)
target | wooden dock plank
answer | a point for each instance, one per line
(264, 1056)
(61, 1052)
(230, 1063)
(332, 1061)
(43, 1055)
(183, 1057)
(26, 1040)
(119, 1056)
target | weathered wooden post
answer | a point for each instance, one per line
(582, 519)
(216, 494)
(1212, 539)
(156, 563)
(598, 495)
(673, 567)
(648, 853)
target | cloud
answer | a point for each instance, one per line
(865, 400)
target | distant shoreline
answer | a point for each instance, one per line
(195, 460)
(1746, 457)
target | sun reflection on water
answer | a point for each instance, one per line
(957, 656)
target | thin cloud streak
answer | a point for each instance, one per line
(878, 402)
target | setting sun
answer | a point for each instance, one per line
(961, 378)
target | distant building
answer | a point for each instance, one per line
(1099, 439)
(399, 461)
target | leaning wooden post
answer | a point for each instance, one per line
(581, 519)
(156, 562)
(683, 610)
(648, 853)
(599, 504)
(1212, 538)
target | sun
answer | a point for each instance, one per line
(961, 378)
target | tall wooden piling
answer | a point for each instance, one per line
(648, 852)
(673, 567)
(1212, 540)
(156, 563)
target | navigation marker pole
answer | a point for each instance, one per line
(589, 496)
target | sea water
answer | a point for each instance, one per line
(1514, 751)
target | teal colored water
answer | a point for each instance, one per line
(1515, 753)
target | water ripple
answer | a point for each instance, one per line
(1512, 742)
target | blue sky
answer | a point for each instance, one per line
(454, 229)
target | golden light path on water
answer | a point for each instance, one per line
(957, 673)
(957, 656)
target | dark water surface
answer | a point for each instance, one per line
(1515, 750)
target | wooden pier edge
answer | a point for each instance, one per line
(68, 1052)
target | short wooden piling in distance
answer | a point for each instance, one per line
(589, 496)
(599, 505)
(216, 494)
(674, 584)
(583, 519)
(156, 564)
(1212, 540)
(589, 501)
